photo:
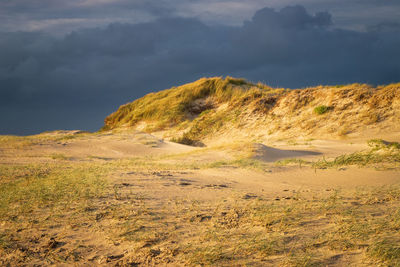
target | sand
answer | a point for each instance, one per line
(170, 181)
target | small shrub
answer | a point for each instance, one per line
(322, 109)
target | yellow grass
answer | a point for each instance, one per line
(211, 107)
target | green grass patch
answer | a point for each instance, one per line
(381, 155)
(292, 161)
(322, 109)
(384, 155)
(386, 251)
(31, 187)
(378, 144)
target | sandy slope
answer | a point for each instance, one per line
(138, 144)
(173, 190)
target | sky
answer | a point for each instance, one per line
(68, 64)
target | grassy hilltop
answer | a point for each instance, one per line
(213, 108)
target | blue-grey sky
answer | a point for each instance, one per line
(68, 64)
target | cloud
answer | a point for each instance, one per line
(76, 80)
(290, 17)
(60, 17)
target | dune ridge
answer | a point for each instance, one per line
(228, 108)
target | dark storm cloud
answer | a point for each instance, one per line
(76, 80)
(80, 8)
(60, 17)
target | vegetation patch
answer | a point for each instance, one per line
(378, 144)
(18, 142)
(292, 161)
(386, 251)
(185, 101)
(210, 107)
(275, 231)
(322, 109)
(383, 154)
(41, 186)
(186, 140)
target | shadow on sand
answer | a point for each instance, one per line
(270, 154)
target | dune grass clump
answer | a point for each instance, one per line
(363, 159)
(291, 161)
(378, 144)
(386, 251)
(184, 140)
(322, 109)
(382, 153)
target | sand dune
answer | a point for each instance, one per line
(285, 178)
